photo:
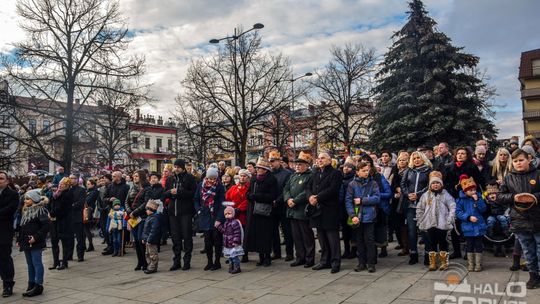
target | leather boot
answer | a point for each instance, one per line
(404, 242)
(36, 291)
(209, 261)
(432, 261)
(534, 280)
(443, 257)
(413, 258)
(478, 262)
(217, 263)
(470, 261)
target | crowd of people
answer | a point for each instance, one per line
(354, 207)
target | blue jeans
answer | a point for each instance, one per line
(411, 230)
(530, 243)
(117, 240)
(35, 265)
(503, 220)
(138, 231)
(234, 261)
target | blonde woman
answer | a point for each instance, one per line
(414, 183)
(397, 215)
(502, 165)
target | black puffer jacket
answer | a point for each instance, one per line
(521, 182)
(415, 180)
(181, 202)
(35, 222)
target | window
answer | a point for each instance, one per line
(536, 67)
(32, 124)
(169, 145)
(46, 126)
(159, 142)
(147, 143)
(135, 142)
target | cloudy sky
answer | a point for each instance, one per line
(170, 33)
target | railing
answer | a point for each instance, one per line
(531, 114)
(528, 93)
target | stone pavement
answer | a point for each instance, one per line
(105, 280)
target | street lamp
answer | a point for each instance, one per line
(292, 80)
(256, 26)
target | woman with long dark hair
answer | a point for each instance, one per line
(136, 209)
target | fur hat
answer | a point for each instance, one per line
(212, 173)
(244, 172)
(264, 164)
(435, 176)
(274, 155)
(493, 188)
(34, 195)
(466, 182)
(304, 158)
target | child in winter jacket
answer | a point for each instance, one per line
(31, 239)
(116, 226)
(469, 209)
(232, 239)
(361, 203)
(435, 214)
(497, 214)
(151, 236)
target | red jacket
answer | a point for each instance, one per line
(238, 195)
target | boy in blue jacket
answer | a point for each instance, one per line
(469, 209)
(361, 203)
(151, 237)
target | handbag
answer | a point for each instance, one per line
(262, 209)
(87, 214)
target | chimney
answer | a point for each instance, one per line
(100, 103)
(137, 114)
(160, 121)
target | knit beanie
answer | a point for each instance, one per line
(480, 149)
(435, 176)
(34, 195)
(529, 150)
(212, 173)
(116, 202)
(244, 172)
(180, 163)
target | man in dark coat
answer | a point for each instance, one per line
(323, 195)
(180, 189)
(78, 195)
(118, 189)
(282, 175)
(9, 200)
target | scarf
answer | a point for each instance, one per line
(33, 212)
(260, 178)
(208, 193)
(459, 164)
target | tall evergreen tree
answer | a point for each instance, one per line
(429, 90)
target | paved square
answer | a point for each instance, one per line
(104, 279)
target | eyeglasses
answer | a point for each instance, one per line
(150, 209)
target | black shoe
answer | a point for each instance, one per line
(203, 251)
(320, 267)
(175, 266)
(245, 259)
(163, 242)
(335, 269)
(455, 255)
(426, 259)
(534, 280)
(36, 291)
(80, 260)
(55, 266)
(139, 267)
(309, 264)
(398, 247)
(150, 271)
(8, 291)
(267, 262)
(276, 257)
(371, 268)
(208, 266)
(297, 263)
(360, 267)
(30, 286)
(289, 258)
(107, 252)
(345, 254)
(383, 253)
(413, 258)
(62, 266)
(216, 266)
(186, 266)
(115, 254)
(90, 248)
(352, 255)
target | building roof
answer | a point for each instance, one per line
(525, 67)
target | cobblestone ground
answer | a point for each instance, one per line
(104, 279)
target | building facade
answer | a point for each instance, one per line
(529, 77)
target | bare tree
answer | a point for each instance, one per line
(239, 82)
(71, 46)
(343, 94)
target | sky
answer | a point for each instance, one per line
(172, 33)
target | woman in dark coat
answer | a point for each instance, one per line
(61, 223)
(92, 196)
(463, 164)
(263, 189)
(136, 208)
(397, 214)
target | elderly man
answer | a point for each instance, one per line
(9, 200)
(323, 196)
(78, 194)
(294, 195)
(444, 156)
(180, 189)
(282, 175)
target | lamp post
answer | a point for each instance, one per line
(292, 80)
(234, 38)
